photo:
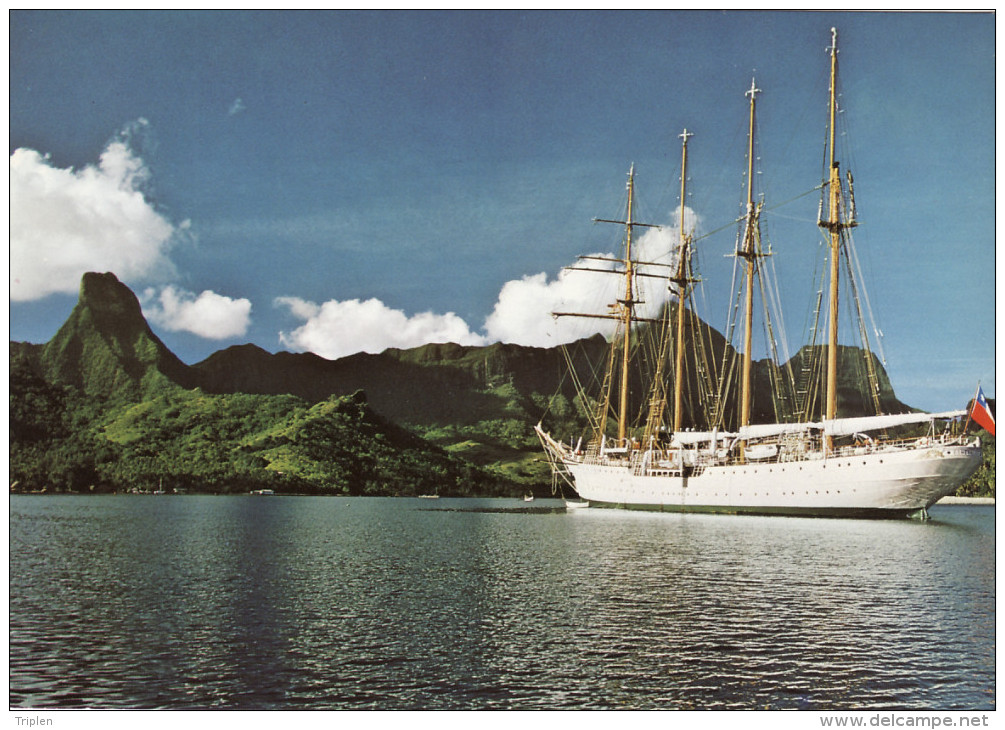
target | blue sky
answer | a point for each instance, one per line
(341, 181)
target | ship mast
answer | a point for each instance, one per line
(627, 312)
(749, 252)
(681, 280)
(834, 226)
(624, 309)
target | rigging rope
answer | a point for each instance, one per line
(773, 207)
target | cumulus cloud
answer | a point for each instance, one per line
(523, 311)
(65, 222)
(236, 107)
(339, 328)
(208, 315)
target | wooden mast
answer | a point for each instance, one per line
(627, 313)
(624, 310)
(749, 253)
(833, 226)
(682, 281)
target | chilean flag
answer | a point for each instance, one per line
(981, 413)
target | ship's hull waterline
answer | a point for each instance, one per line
(890, 484)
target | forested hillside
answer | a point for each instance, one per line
(104, 406)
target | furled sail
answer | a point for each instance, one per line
(690, 438)
(848, 426)
(765, 430)
(845, 426)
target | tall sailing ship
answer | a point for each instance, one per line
(810, 461)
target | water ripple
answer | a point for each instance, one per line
(206, 602)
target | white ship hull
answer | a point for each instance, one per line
(885, 483)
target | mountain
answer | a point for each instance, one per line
(430, 385)
(105, 406)
(443, 384)
(106, 348)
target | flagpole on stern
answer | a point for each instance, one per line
(970, 409)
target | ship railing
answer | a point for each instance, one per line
(788, 449)
(867, 445)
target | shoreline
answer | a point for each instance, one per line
(966, 500)
(950, 500)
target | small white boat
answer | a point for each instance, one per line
(429, 496)
(263, 492)
(573, 504)
(528, 498)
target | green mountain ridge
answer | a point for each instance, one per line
(105, 406)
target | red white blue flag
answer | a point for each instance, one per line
(981, 413)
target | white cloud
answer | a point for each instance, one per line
(523, 311)
(339, 328)
(66, 222)
(208, 315)
(299, 308)
(522, 314)
(236, 107)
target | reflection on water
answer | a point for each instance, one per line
(283, 602)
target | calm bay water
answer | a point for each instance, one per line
(337, 603)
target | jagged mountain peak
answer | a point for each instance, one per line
(107, 348)
(105, 294)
